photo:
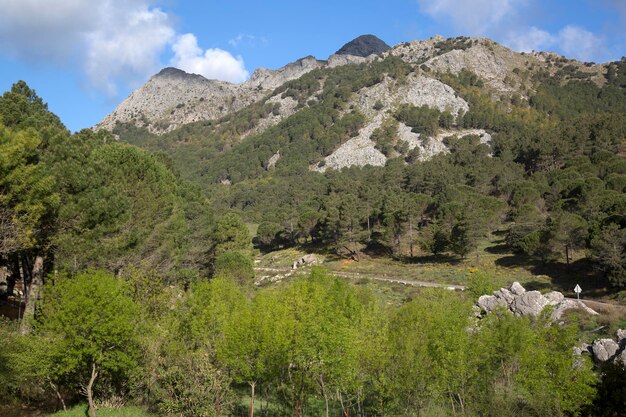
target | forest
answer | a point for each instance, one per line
(138, 265)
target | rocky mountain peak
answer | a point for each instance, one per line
(171, 73)
(364, 45)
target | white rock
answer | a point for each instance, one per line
(530, 303)
(554, 297)
(517, 289)
(505, 295)
(604, 349)
(489, 302)
(358, 151)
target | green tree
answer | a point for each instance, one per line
(608, 250)
(236, 266)
(231, 233)
(91, 322)
(27, 206)
(566, 232)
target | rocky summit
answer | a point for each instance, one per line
(364, 46)
(173, 99)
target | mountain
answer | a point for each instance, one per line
(173, 99)
(364, 45)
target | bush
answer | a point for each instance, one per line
(235, 265)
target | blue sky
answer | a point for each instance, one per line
(83, 57)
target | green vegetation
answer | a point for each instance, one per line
(126, 411)
(139, 266)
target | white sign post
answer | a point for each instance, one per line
(578, 290)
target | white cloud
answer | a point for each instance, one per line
(531, 39)
(579, 43)
(127, 46)
(116, 42)
(571, 41)
(212, 63)
(507, 21)
(247, 40)
(34, 30)
(474, 18)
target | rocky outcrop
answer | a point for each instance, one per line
(173, 98)
(606, 350)
(529, 303)
(271, 163)
(267, 79)
(364, 45)
(358, 151)
(308, 259)
(340, 60)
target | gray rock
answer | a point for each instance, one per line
(566, 304)
(505, 295)
(517, 289)
(271, 163)
(530, 303)
(476, 311)
(621, 336)
(620, 359)
(604, 349)
(583, 348)
(489, 302)
(554, 297)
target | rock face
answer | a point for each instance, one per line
(308, 259)
(173, 98)
(528, 303)
(267, 79)
(364, 45)
(358, 151)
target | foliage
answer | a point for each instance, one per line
(90, 323)
(235, 265)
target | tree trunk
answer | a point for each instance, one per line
(252, 385)
(94, 375)
(58, 394)
(33, 294)
(297, 408)
(321, 381)
(411, 237)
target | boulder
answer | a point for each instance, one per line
(517, 289)
(554, 297)
(530, 303)
(604, 349)
(504, 294)
(488, 302)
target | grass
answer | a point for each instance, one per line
(492, 257)
(125, 411)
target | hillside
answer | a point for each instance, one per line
(369, 153)
(334, 237)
